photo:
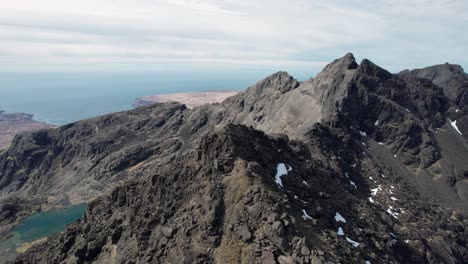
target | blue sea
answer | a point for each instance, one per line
(61, 98)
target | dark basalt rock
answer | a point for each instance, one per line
(173, 185)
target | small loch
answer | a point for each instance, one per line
(35, 228)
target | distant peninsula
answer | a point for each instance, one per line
(190, 99)
(15, 123)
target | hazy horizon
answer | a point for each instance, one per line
(228, 36)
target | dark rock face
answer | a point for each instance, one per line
(454, 81)
(12, 124)
(354, 165)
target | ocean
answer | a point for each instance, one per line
(61, 98)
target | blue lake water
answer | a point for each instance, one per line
(61, 98)
(37, 226)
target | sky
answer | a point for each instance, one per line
(228, 35)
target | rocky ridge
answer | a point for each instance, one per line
(15, 123)
(354, 165)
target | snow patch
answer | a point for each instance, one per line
(353, 184)
(354, 243)
(363, 133)
(407, 110)
(346, 174)
(281, 171)
(368, 262)
(371, 200)
(392, 213)
(454, 125)
(305, 215)
(458, 110)
(376, 122)
(394, 198)
(339, 218)
(340, 231)
(380, 143)
(375, 190)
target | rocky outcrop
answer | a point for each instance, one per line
(454, 81)
(12, 124)
(220, 204)
(354, 165)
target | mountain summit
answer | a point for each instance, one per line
(355, 165)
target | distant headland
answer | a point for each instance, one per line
(15, 123)
(191, 99)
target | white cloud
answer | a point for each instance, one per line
(227, 34)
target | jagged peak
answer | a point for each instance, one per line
(347, 62)
(368, 67)
(280, 81)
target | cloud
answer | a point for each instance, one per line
(228, 35)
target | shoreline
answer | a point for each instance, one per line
(12, 124)
(190, 99)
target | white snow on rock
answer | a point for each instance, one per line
(368, 262)
(407, 110)
(376, 122)
(346, 174)
(380, 143)
(458, 110)
(383, 176)
(305, 183)
(454, 125)
(281, 171)
(305, 215)
(371, 200)
(363, 133)
(339, 218)
(391, 186)
(354, 243)
(394, 155)
(340, 231)
(375, 190)
(354, 165)
(370, 178)
(394, 198)
(392, 213)
(353, 184)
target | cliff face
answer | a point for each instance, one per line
(12, 124)
(355, 164)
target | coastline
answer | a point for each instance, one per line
(190, 99)
(12, 124)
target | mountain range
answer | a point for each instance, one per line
(355, 165)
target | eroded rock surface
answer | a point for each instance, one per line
(354, 165)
